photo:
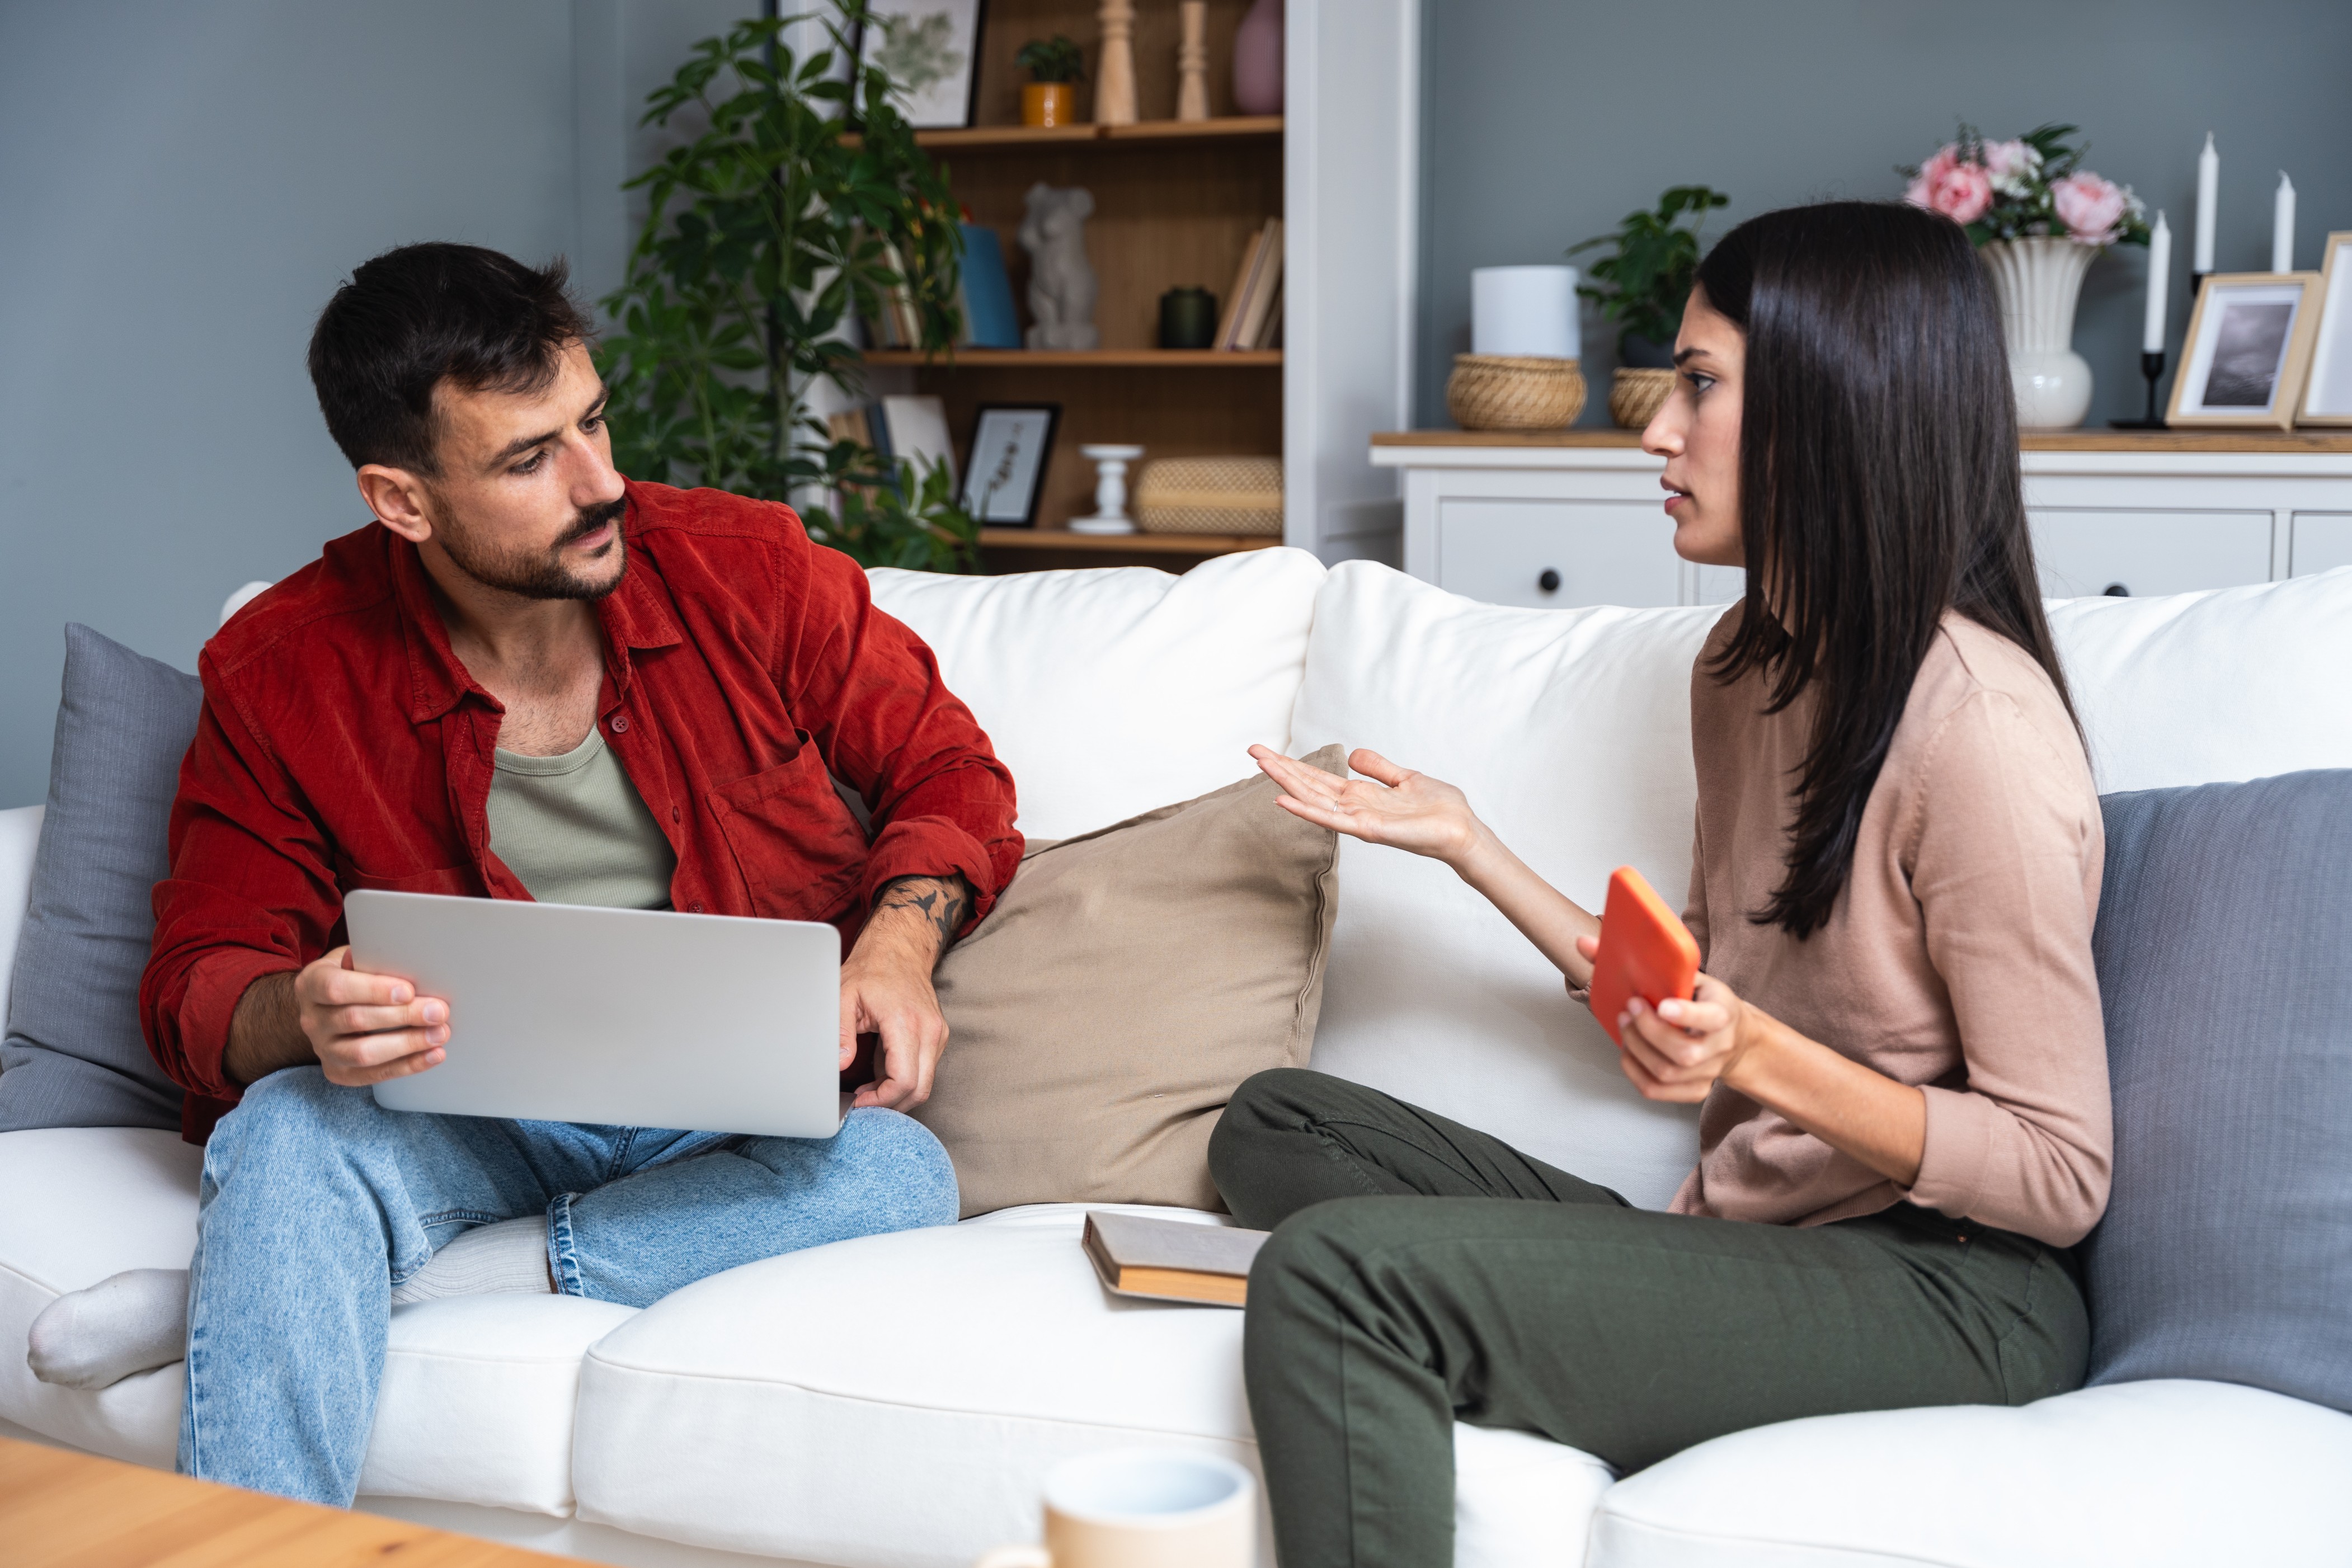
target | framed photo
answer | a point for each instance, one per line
(1010, 446)
(2327, 393)
(931, 51)
(2248, 349)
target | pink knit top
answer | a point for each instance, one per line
(1957, 959)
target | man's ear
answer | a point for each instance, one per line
(399, 500)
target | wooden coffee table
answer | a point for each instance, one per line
(58, 1509)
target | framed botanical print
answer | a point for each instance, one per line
(931, 51)
(1011, 443)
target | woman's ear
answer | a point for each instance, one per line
(398, 498)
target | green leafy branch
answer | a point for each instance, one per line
(1642, 285)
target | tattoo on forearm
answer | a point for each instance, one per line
(942, 900)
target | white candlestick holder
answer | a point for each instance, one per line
(1111, 490)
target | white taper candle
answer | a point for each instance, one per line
(2283, 226)
(2160, 278)
(2209, 193)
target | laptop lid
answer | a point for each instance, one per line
(615, 1017)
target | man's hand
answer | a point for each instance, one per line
(360, 1027)
(886, 986)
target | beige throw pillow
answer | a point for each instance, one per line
(1126, 982)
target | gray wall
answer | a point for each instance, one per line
(1546, 122)
(185, 184)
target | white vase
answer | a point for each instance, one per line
(2038, 282)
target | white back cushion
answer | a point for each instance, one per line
(2240, 682)
(1113, 691)
(1570, 731)
(20, 835)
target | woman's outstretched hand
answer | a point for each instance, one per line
(1391, 805)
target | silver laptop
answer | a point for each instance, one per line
(616, 1017)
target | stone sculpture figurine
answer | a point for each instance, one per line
(1061, 278)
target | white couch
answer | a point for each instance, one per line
(894, 1401)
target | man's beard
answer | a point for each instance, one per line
(543, 574)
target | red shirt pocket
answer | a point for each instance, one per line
(799, 850)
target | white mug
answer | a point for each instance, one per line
(1143, 1508)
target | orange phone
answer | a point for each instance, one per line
(1645, 950)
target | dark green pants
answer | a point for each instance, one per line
(1421, 1273)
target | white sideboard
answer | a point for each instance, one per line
(1576, 516)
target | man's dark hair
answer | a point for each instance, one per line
(417, 315)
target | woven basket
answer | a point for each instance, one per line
(1514, 392)
(1210, 496)
(1635, 396)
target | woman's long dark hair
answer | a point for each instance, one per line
(1878, 488)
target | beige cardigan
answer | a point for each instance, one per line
(1957, 959)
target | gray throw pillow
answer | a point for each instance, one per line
(74, 1055)
(2224, 949)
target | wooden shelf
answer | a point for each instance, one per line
(986, 138)
(1090, 358)
(1124, 544)
(2030, 441)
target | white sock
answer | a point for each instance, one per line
(508, 1256)
(133, 1321)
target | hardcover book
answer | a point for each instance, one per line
(1170, 1260)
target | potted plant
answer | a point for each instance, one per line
(765, 233)
(1642, 285)
(1056, 67)
(2039, 219)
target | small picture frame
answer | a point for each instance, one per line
(931, 49)
(2327, 391)
(2248, 353)
(1010, 445)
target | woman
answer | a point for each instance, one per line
(1897, 1036)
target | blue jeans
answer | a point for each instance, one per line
(316, 1201)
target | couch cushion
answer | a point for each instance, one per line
(2144, 1475)
(74, 1055)
(2239, 683)
(1110, 691)
(2226, 1251)
(749, 1411)
(478, 1392)
(20, 838)
(1121, 989)
(1570, 731)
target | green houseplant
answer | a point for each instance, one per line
(766, 231)
(1640, 285)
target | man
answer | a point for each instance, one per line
(528, 677)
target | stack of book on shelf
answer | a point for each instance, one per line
(900, 429)
(984, 300)
(1252, 318)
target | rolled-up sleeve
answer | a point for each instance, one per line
(251, 893)
(2006, 869)
(870, 694)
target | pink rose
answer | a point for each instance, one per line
(2089, 206)
(1946, 158)
(1960, 193)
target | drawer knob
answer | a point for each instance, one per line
(2115, 591)
(1549, 581)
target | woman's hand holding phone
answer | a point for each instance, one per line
(1675, 1051)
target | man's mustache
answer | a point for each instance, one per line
(591, 519)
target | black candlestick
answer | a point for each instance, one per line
(2151, 366)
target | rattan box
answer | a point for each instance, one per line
(1210, 496)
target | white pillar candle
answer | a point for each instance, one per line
(2283, 226)
(2160, 278)
(2209, 182)
(1525, 310)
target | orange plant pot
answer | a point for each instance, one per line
(1049, 103)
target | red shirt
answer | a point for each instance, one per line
(343, 746)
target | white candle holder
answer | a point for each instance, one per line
(1111, 490)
